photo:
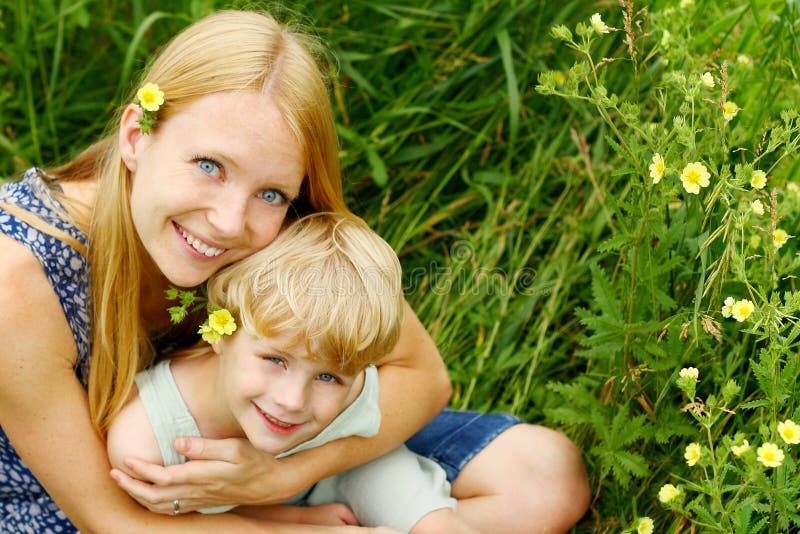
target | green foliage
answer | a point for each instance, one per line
(697, 263)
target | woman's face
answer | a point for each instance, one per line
(213, 185)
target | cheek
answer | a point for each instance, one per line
(329, 405)
(266, 229)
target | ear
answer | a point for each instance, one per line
(130, 134)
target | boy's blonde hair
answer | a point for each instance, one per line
(226, 51)
(327, 279)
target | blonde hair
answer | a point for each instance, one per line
(328, 280)
(226, 51)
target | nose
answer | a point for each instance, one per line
(291, 394)
(228, 214)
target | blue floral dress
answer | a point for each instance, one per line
(24, 504)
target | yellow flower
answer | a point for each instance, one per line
(789, 431)
(742, 309)
(780, 237)
(150, 97)
(667, 493)
(692, 454)
(707, 79)
(208, 334)
(793, 188)
(598, 24)
(222, 322)
(770, 455)
(686, 3)
(645, 526)
(657, 168)
(729, 110)
(758, 207)
(559, 77)
(694, 176)
(727, 309)
(739, 450)
(758, 180)
(690, 373)
(665, 39)
(744, 60)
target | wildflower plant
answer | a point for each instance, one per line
(698, 265)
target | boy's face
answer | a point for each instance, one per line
(278, 395)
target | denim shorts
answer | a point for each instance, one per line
(454, 437)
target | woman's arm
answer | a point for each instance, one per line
(44, 411)
(414, 387)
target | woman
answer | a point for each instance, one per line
(244, 138)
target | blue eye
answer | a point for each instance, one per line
(274, 360)
(208, 166)
(272, 196)
(327, 377)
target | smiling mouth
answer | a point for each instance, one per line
(276, 425)
(199, 245)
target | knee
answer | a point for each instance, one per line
(550, 458)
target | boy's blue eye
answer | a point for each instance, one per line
(274, 359)
(327, 377)
(208, 166)
(272, 196)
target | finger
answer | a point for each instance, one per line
(149, 472)
(230, 450)
(140, 491)
(155, 498)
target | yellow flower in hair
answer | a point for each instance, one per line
(150, 97)
(222, 322)
(208, 334)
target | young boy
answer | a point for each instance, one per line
(295, 332)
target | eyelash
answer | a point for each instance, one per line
(198, 158)
(278, 361)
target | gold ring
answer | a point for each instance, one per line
(176, 507)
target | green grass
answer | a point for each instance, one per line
(496, 198)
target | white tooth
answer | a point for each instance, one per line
(201, 247)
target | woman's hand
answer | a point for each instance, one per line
(222, 472)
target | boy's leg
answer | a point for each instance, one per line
(508, 477)
(396, 490)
